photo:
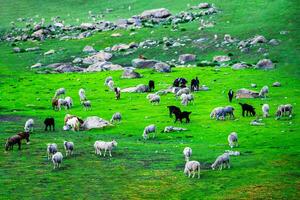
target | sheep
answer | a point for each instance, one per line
(149, 129)
(229, 110)
(69, 102)
(191, 167)
(116, 117)
(60, 91)
(187, 152)
(282, 110)
(264, 91)
(57, 160)
(107, 80)
(184, 99)
(69, 147)
(217, 113)
(183, 91)
(155, 99)
(87, 105)
(150, 96)
(265, 108)
(82, 96)
(55, 104)
(29, 125)
(62, 102)
(10, 142)
(101, 145)
(190, 98)
(220, 161)
(233, 139)
(51, 150)
(110, 84)
(180, 82)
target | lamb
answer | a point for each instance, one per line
(233, 139)
(82, 96)
(151, 85)
(69, 147)
(51, 150)
(265, 108)
(57, 159)
(247, 108)
(187, 152)
(117, 92)
(149, 129)
(101, 145)
(183, 91)
(29, 125)
(182, 115)
(62, 102)
(49, 122)
(110, 84)
(264, 91)
(116, 117)
(282, 110)
(69, 102)
(87, 105)
(60, 91)
(229, 110)
(184, 99)
(222, 160)
(217, 113)
(173, 110)
(155, 99)
(191, 167)
(107, 80)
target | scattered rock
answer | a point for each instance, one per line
(169, 129)
(100, 56)
(103, 66)
(142, 63)
(94, 122)
(276, 84)
(258, 39)
(184, 58)
(239, 66)
(32, 49)
(77, 60)
(120, 47)
(130, 73)
(253, 85)
(265, 64)
(162, 67)
(89, 49)
(49, 52)
(87, 26)
(139, 89)
(116, 35)
(221, 58)
(16, 49)
(204, 5)
(37, 65)
(274, 42)
(245, 93)
(155, 13)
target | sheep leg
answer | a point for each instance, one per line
(194, 173)
(199, 172)
(100, 152)
(105, 152)
(243, 113)
(189, 174)
(110, 153)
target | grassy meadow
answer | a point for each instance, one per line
(268, 167)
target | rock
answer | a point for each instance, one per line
(162, 67)
(37, 65)
(245, 93)
(274, 42)
(258, 39)
(238, 66)
(94, 122)
(142, 63)
(122, 23)
(261, 50)
(100, 56)
(169, 129)
(58, 25)
(203, 88)
(276, 84)
(87, 26)
(77, 60)
(221, 58)
(38, 34)
(120, 47)
(116, 35)
(89, 49)
(67, 68)
(16, 49)
(155, 13)
(103, 66)
(49, 52)
(32, 49)
(204, 5)
(265, 64)
(130, 73)
(228, 38)
(184, 58)
(253, 85)
(139, 89)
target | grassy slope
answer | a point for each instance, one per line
(268, 168)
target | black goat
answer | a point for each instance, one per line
(173, 109)
(195, 84)
(248, 109)
(182, 115)
(151, 85)
(230, 95)
(180, 82)
(49, 122)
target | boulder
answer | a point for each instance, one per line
(16, 49)
(103, 66)
(120, 47)
(274, 42)
(64, 67)
(37, 65)
(38, 34)
(184, 58)
(130, 73)
(258, 39)
(94, 122)
(276, 84)
(100, 56)
(221, 58)
(265, 64)
(238, 66)
(162, 67)
(116, 35)
(52, 51)
(87, 26)
(155, 13)
(139, 89)
(32, 49)
(245, 93)
(77, 60)
(122, 23)
(89, 49)
(204, 5)
(142, 63)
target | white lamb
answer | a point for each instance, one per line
(222, 160)
(233, 139)
(82, 95)
(284, 110)
(264, 91)
(191, 167)
(69, 102)
(111, 84)
(265, 108)
(184, 99)
(57, 159)
(51, 150)
(29, 125)
(69, 147)
(217, 113)
(183, 91)
(106, 146)
(187, 152)
(116, 117)
(87, 105)
(60, 91)
(62, 102)
(149, 129)
(155, 99)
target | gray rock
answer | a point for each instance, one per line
(103, 66)
(87, 26)
(130, 73)
(37, 65)
(155, 13)
(139, 89)
(265, 64)
(52, 51)
(245, 93)
(32, 49)
(221, 58)
(184, 58)
(239, 66)
(276, 84)
(162, 67)
(100, 56)
(77, 60)
(253, 85)
(142, 63)
(274, 42)
(120, 47)
(204, 5)
(16, 49)
(89, 49)
(94, 122)
(65, 68)
(258, 39)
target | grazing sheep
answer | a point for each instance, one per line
(51, 150)
(62, 102)
(220, 161)
(191, 167)
(149, 129)
(49, 122)
(265, 108)
(69, 147)
(187, 152)
(155, 99)
(87, 105)
(183, 91)
(110, 84)
(264, 91)
(116, 117)
(182, 115)
(101, 145)
(151, 85)
(107, 80)
(173, 110)
(117, 92)
(16, 139)
(29, 125)
(248, 109)
(217, 113)
(60, 91)
(229, 110)
(57, 160)
(233, 139)
(82, 96)
(69, 102)
(282, 110)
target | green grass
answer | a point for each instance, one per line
(267, 169)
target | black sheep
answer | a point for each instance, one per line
(182, 115)
(173, 109)
(248, 109)
(49, 122)
(151, 85)
(230, 95)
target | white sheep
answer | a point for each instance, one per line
(222, 160)
(264, 91)
(106, 146)
(282, 110)
(155, 99)
(183, 91)
(107, 80)
(62, 102)
(184, 99)
(116, 117)
(82, 95)
(233, 139)
(217, 113)
(150, 96)
(57, 159)
(60, 91)
(111, 84)
(149, 129)
(191, 167)
(69, 147)
(29, 125)
(265, 108)
(51, 150)
(69, 102)
(87, 105)
(187, 152)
